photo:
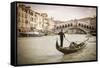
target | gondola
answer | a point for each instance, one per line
(68, 50)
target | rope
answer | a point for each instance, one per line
(86, 40)
(67, 39)
(70, 41)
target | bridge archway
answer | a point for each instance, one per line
(75, 30)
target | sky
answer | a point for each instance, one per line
(64, 13)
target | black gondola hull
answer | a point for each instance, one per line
(68, 50)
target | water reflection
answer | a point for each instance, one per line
(33, 50)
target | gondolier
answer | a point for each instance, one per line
(73, 47)
(62, 35)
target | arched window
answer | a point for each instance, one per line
(63, 26)
(71, 24)
(84, 26)
(90, 27)
(26, 21)
(79, 24)
(87, 26)
(68, 25)
(56, 27)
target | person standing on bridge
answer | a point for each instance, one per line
(62, 35)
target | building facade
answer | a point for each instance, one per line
(30, 21)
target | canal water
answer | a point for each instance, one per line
(34, 50)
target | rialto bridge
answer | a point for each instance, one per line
(75, 27)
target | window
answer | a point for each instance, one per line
(31, 19)
(26, 21)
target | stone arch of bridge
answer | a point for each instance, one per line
(77, 28)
